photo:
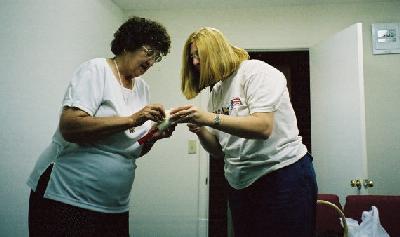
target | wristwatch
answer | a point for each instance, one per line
(217, 119)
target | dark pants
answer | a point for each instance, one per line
(279, 204)
(52, 218)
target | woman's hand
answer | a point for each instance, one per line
(153, 112)
(194, 128)
(154, 135)
(165, 133)
(190, 114)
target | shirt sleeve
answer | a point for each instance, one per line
(263, 89)
(85, 90)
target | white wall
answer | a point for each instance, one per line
(42, 42)
(269, 28)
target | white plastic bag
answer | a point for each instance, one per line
(370, 225)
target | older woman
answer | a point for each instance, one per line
(81, 183)
(252, 125)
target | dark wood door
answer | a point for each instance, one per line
(295, 66)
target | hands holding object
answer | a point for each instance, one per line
(161, 130)
(193, 116)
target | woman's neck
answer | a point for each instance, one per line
(119, 72)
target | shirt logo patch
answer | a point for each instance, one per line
(235, 102)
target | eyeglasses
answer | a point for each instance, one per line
(153, 54)
(195, 55)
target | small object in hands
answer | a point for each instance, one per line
(165, 123)
(160, 127)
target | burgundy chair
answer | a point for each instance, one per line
(388, 207)
(327, 219)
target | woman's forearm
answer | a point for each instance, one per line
(255, 126)
(78, 127)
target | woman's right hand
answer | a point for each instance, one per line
(153, 112)
(191, 114)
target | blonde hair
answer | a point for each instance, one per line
(218, 60)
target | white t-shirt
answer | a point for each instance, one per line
(96, 176)
(256, 87)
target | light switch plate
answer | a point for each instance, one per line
(192, 147)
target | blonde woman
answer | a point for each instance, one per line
(251, 124)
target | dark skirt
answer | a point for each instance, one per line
(52, 218)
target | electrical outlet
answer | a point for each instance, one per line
(192, 147)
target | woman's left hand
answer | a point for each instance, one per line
(165, 133)
(156, 135)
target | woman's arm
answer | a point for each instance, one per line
(254, 126)
(78, 126)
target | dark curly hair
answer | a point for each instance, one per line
(138, 31)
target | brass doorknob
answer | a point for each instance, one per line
(368, 183)
(355, 183)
